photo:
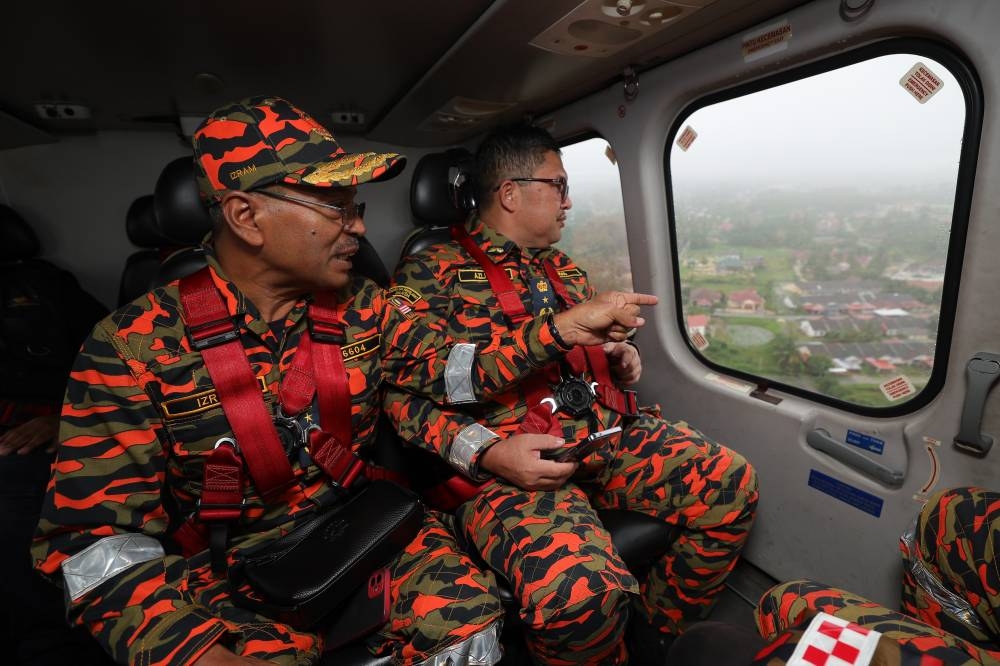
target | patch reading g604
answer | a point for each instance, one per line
(208, 399)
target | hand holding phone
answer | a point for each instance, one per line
(581, 450)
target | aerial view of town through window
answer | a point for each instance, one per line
(812, 224)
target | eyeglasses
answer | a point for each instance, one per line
(350, 212)
(560, 184)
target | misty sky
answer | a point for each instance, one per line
(852, 125)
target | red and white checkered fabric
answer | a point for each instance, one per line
(831, 641)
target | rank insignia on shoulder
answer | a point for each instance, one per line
(570, 273)
(496, 249)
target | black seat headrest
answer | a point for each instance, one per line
(180, 215)
(17, 239)
(441, 188)
(141, 227)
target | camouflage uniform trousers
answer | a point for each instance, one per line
(439, 597)
(956, 541)
(790, 605)
(888, 651)
(573, 588)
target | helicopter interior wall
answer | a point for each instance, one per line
(75, 193)
(801, 532)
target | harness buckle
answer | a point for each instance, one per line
(214, 333)
(575, 396)
(327, 332)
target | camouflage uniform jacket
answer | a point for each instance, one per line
(459, 298)
(141, 417)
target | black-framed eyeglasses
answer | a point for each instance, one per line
(560, 184)
(348, 213)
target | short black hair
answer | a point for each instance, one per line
(512, 151)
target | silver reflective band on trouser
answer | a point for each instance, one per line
(480, 649)
(458, 373)
(106, 559)
(467, 444)
(953, 605)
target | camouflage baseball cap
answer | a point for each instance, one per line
(263, 140)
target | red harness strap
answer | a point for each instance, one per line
(317, 369)
(540, 418)
(608, 394)
(214, 333)
(330, 447)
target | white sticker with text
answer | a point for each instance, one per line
(769, 39)
(686, 138)
(897, 388)
(921, 82)
(699, 341)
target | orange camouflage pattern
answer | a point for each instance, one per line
(661, 468)
(138, 424)
(956, 540)
(260, 141)
(791, 605)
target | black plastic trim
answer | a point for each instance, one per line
(961, 68)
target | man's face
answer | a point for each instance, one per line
(543, 215)
(307, 245)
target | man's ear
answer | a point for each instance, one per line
(240, 212)
(509, 196)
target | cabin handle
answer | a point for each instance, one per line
(821, 440)
(981, 373)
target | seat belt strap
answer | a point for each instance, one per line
(331, 448)
(503, 288)
(214, 333)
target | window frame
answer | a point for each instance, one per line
(961, 68)
(580, 137)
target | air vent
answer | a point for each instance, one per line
(600, 28)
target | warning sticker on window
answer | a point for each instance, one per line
(699, 341)
(897, 388)
(686, 138)
(769, 39)
(921, 82)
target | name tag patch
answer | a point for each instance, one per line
(479, 275)
(196, 403)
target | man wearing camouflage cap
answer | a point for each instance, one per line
(149, 419)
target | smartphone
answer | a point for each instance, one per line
(581, 450)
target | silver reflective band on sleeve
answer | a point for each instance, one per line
(954, 605)
(106, 559)
(467, 444)
(458, 373)
(480, 649)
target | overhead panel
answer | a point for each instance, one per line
(601, 28)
